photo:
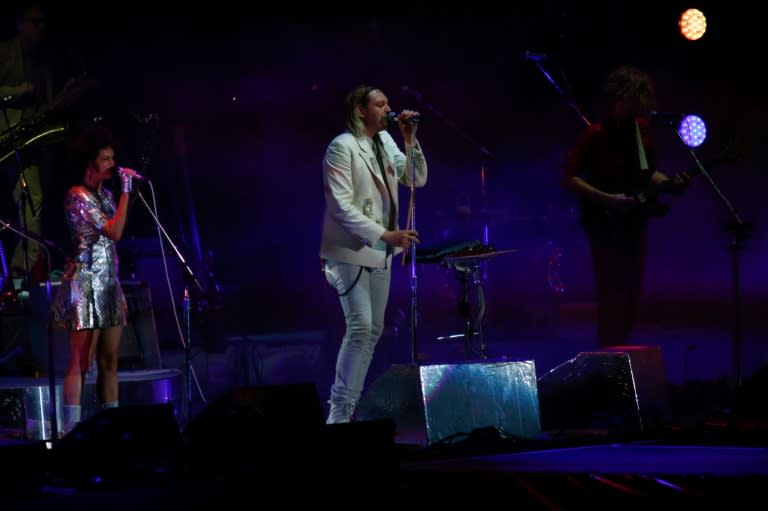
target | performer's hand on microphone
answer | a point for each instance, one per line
(129, 172)
(126, 178)
(127, 182)
(401, 238)
(408, 122)
(132, 175)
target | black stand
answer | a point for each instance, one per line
(483, 180)
(411, 224)
(484, 152)
(569, 100)
(189, 278)
(469, 266)
(26, 198)
(470, 275)
(739, 231)
(8, 298)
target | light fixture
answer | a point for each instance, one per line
(693, 24)
(692, 130)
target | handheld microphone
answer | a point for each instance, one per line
(393, 118)
(666, 116)
(534, 56)
(130, 172)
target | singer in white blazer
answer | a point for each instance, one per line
(360, 229)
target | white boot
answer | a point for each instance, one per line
(70, 418)
(341, 411)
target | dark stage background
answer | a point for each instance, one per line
(244, 104)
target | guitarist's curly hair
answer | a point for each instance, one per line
(627, 82)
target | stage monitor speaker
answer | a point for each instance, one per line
(619, 390)
(255, 423)
(121, 443)
(433, 403)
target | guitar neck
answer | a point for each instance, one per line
(666, 186)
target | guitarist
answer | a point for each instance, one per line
(611, 161)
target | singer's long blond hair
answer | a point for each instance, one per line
(357, 97)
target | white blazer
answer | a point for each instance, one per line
(356, 200)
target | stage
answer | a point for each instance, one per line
(268, 444)
(545, 421)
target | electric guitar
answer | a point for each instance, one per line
(647, 204)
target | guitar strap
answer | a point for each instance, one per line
(640, 148)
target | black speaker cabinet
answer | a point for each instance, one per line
(265, 419)
(120, 444)
(622, 389)
(430, 403)
(139, 346)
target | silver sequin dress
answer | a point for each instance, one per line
(90, 295)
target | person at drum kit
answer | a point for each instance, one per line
(90, 302)
(361, 170)
(608, 168)
(26, 89)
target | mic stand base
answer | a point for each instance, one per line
(740, 231)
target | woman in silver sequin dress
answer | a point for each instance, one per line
(90, 302)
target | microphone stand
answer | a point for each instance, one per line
(568, 100)
(189, 277)
(411, 224)
(740, 231)
(49, 329)
(483, 182)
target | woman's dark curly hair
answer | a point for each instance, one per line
(86, 147)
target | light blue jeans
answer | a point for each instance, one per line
(364, 306)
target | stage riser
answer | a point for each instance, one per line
(25, 409)
(431, 403)
(137, 388)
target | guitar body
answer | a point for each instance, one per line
(647, 205)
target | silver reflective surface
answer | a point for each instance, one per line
(459, 398)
